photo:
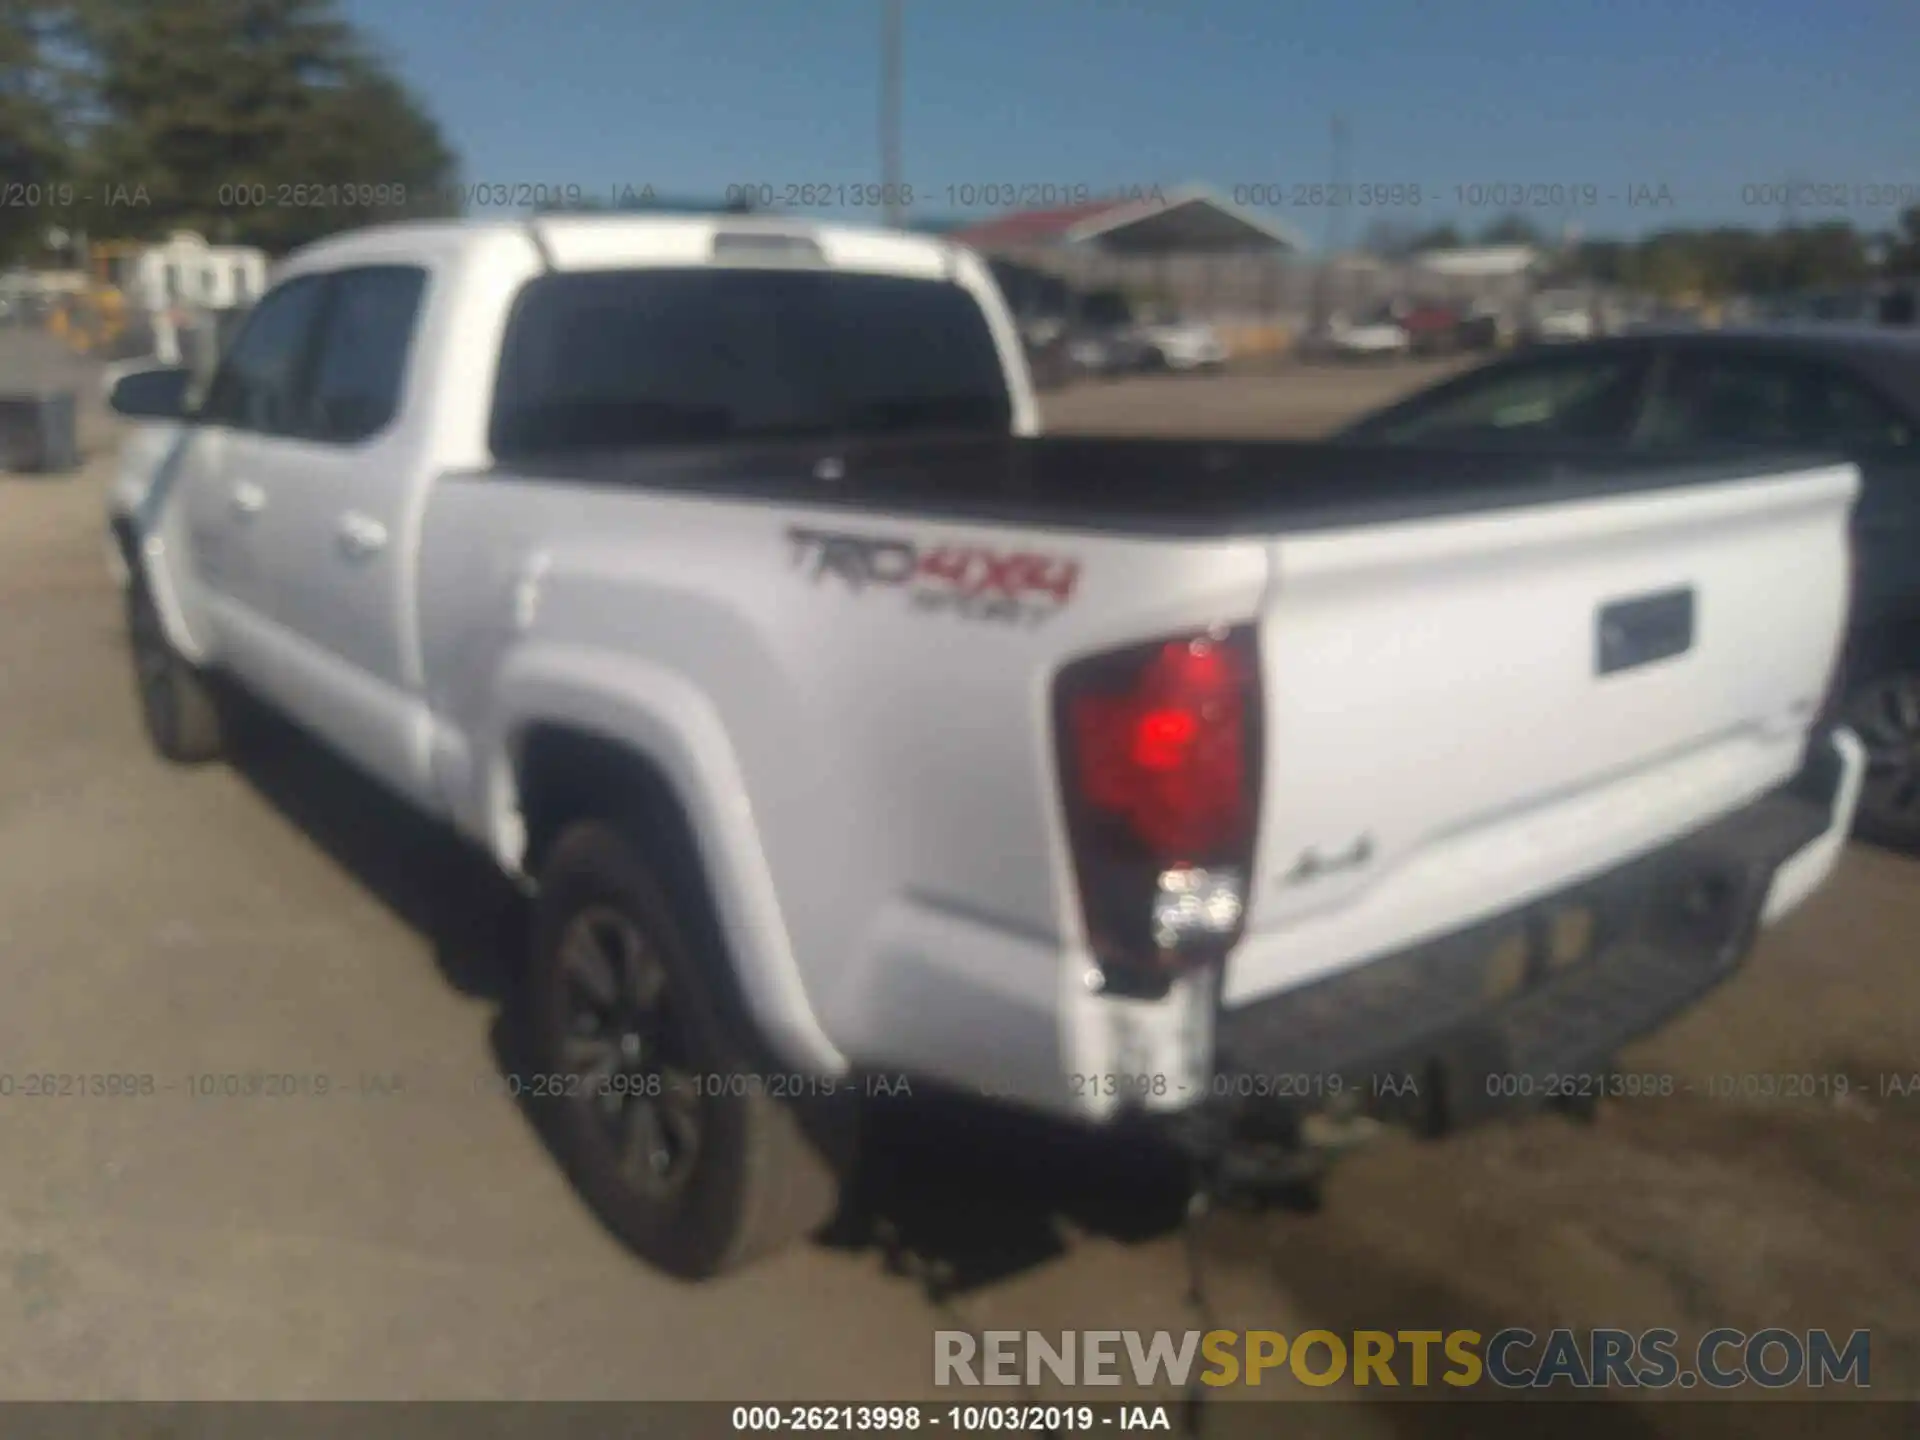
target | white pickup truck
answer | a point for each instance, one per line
(712, 575)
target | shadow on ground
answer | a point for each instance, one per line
(448, 892)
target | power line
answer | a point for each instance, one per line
(890, 109)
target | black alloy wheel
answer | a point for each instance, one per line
(1885, 713)
(626, 1062)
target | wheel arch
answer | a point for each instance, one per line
(666, 775)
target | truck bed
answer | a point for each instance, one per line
(1439, 689)
(1135, 486)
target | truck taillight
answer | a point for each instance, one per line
(1159, 760)
(1833, 695)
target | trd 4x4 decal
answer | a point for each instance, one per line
(969, 580)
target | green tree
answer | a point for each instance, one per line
(1515, 229)
(265, 122)
(1724, 261)
(1605, 262)
(35, 150)
(1902, 256)
(1822, 256)
(1440, 237)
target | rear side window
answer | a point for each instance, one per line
(1855, 418)
(361, 367)
(634, 357)
(1771, 400)
(1585, 398)
(1735, 400)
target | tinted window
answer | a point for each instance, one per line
(1855, 418)
(257, 387)
(1733, 400)
(361, 364)
(1585, 398)
(664, 356)
(1769, 400)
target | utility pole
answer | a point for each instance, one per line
(1336, 229)
(890, 110)
(1324, 298)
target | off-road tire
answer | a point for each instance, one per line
(178, 707)
(758, 1181)
(1884, 711)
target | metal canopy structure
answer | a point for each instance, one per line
(1190, 249)
(1190, 220)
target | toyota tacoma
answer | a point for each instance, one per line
(711, 573)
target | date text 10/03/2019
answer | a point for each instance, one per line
(913, 1418)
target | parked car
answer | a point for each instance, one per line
(1378, 338)
(1486, 325)
(1432, 328)
(710, 575)
(1813, 387)
(1559, 316)
(1182, 345)
(1109, 350)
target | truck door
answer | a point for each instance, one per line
(344, 600)
(229, 471)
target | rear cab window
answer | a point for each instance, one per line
(611, 359)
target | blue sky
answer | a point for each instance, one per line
(1704, 97)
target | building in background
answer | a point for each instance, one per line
(1185, 251)
(184, 271)
(181, 286)
(1487, 273)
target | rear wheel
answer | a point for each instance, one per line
(648, 1093)
(1885, 713)
(177, 706)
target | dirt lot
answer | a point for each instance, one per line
(406, 1236)
(1300, 400)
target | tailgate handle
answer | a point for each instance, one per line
(1644, 629)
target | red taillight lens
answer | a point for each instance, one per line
(1159, 750)
(1162, 748)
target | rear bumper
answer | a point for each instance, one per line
(1506, 1011)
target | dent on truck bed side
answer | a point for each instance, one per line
(662, 718)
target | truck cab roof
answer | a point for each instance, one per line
(615, 241)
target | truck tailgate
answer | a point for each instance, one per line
(1465, 713)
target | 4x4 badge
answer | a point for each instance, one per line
(1313, 864)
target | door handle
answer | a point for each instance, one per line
(248, 499)
(361, 535)
(1637, 632)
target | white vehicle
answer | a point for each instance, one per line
(1185, 345)
(711, 575)
(1561, 316)
(1372, 339)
